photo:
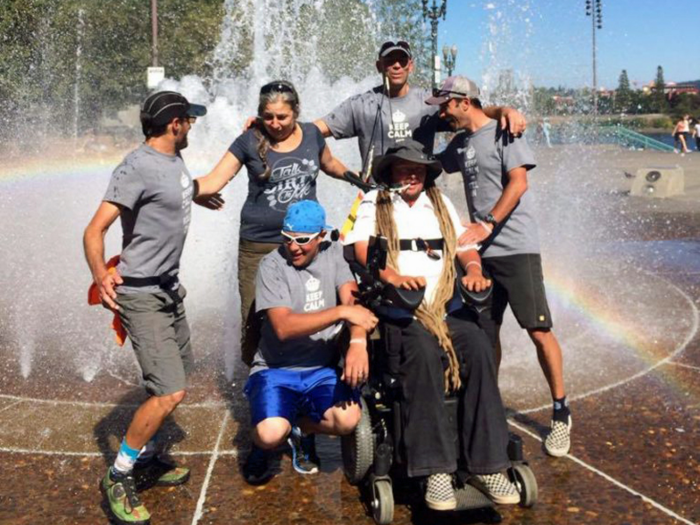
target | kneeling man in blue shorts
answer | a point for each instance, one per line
(295, 388)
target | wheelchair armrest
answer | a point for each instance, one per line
(401, 298)
(474, 298)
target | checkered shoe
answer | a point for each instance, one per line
(558, 441)
(439, 493)
(497, 488)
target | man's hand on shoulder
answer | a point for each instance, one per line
(513, 121)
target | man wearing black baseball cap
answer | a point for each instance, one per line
(395, 111)
(151, 191)
(162, 107)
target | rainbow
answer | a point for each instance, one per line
(42, 168)
(598, 312)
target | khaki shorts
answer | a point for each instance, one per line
(158, 330)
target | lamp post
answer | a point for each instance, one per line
(449, 57)
(434, 13)
(594, 9)
(154, 33)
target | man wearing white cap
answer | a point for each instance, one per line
(495, 181)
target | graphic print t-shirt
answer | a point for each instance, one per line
(401, 118)
(293, 178)
(302, 290)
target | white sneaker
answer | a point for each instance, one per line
(558, 441)
(498, 488)
(439, 493)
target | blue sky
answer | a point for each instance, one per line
(549, 41)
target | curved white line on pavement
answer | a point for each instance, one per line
(212, 404)
(683, 365)
(609, 478)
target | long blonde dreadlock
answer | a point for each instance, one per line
(430, 315)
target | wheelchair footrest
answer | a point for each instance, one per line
(469, 497)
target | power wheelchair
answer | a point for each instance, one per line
(372, 456)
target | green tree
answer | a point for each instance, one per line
(65, 64)
(658, 92)
(623, 94)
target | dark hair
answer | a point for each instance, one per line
(475, 102)
(152, 131)
(272, 92)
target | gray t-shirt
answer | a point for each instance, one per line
(154, 191)
(303, 290)
(293, 178)
(401, 118)
(485, 157)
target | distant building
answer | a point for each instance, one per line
(675, 88)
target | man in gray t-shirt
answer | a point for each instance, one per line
(495, 182)
(293, 386)
(388, 114)
(151, 191)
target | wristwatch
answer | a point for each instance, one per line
(490, 219)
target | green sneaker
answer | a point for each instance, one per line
(124, 501)
(156, 472)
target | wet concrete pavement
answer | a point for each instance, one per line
(634, 458)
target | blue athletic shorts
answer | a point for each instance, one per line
(277, 392)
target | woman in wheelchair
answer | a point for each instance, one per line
(439, 349)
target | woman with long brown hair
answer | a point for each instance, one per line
(283, 158)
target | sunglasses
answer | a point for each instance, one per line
(301, 240)
(400, 43)
(437, 92)
(277, 87)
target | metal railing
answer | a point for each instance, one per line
(628, 137)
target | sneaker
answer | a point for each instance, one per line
(439, 492)
(558, 441)
(304, 458)
(256, 470)
(123, 499)
(497, 487)
(156, 472)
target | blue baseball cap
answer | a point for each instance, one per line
(305, 217)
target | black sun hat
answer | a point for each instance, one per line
(411, 151)
(162, 107)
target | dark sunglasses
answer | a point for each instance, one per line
(302, 240)
(277, 87)
(437, 92)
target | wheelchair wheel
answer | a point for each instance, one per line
(383, 502)
(358, 448)
(525, 481)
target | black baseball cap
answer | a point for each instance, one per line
(162, 107)
(390, 46)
